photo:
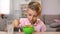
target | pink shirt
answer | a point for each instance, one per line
(39, 26)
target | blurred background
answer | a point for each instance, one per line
(15, 9)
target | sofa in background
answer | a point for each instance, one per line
(51, 25)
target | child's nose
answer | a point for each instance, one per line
(32, 18)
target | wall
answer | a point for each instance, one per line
(16, 7)
(50, 7)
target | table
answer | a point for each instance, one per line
(1, 32)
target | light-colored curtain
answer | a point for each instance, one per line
(4, 6)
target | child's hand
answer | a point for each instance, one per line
(16, 23)
(28, 24)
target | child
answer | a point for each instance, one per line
(33, 13)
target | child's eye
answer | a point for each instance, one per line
(29, 14)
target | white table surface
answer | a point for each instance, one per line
(1, 32)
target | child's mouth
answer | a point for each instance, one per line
(33, 22)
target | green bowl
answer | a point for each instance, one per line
(28, 30)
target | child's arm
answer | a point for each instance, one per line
(16, 23)
(43, 28)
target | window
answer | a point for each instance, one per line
(4, 6)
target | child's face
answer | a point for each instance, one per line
(32, 15)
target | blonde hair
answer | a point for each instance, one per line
(36, 6)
